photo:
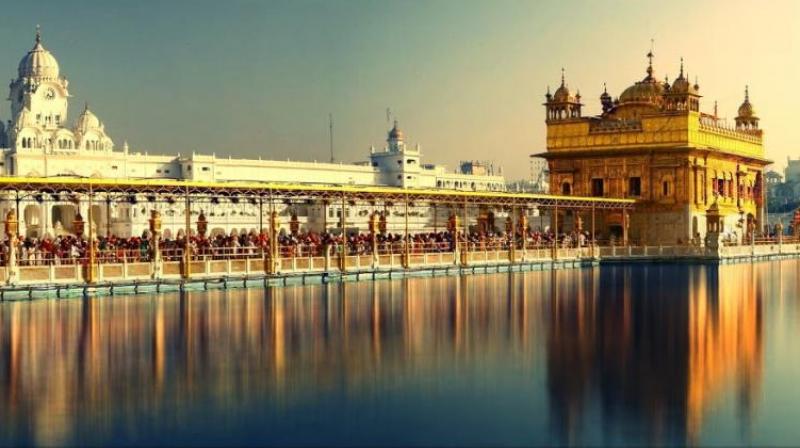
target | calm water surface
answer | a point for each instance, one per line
(615, 355)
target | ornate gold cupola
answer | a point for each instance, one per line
(746, 119)
(682, 95)
(562, 105)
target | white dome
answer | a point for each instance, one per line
(87, 121)
(38, 63)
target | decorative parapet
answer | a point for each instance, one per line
(715, 127)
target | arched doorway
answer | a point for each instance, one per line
(62, 217)
(32, 217)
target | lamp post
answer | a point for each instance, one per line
(12, 228)
(155, 242)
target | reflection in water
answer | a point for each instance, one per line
(625, 353)
(651, 348)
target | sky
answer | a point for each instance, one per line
(465, 79)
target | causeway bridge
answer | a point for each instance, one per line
(183, 265)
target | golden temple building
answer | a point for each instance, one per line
(653, 143)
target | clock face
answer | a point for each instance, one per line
(50, 93)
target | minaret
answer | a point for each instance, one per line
(605, 100)
(746, 119)
(562, 105)
(396, 139)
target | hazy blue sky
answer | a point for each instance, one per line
(465, 79)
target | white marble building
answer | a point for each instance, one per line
(38, 142)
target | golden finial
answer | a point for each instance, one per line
(681, 67)
(562, 76)
(650, 56)
(746, 94)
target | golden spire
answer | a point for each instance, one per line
(650, 56)
(562, 76)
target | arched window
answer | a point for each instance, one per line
(566, 188)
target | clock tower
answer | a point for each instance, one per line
(40, 89)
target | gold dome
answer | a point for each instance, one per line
(681, 85)
(643, 92)
(648, 90)
(563, 94)
(746, 110)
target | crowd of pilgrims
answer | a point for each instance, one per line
(69, 249)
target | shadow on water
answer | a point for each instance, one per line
(614, 355)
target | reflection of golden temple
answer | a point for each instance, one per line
(667, 354)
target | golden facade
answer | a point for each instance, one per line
(653, 143)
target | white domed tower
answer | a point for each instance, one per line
(39, 88)
(90, 132)
(398, 163)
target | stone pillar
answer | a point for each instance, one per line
(625, 226)
(465, 237)
(555, 232)
(452, 227)
(406, 236)
(343, 246)
(44, 218)
(373, 237)
(12, 228)
(273, 260)
(155, 246)
(510, 236)
(186, 262)
(522, 225)
(91, 261)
